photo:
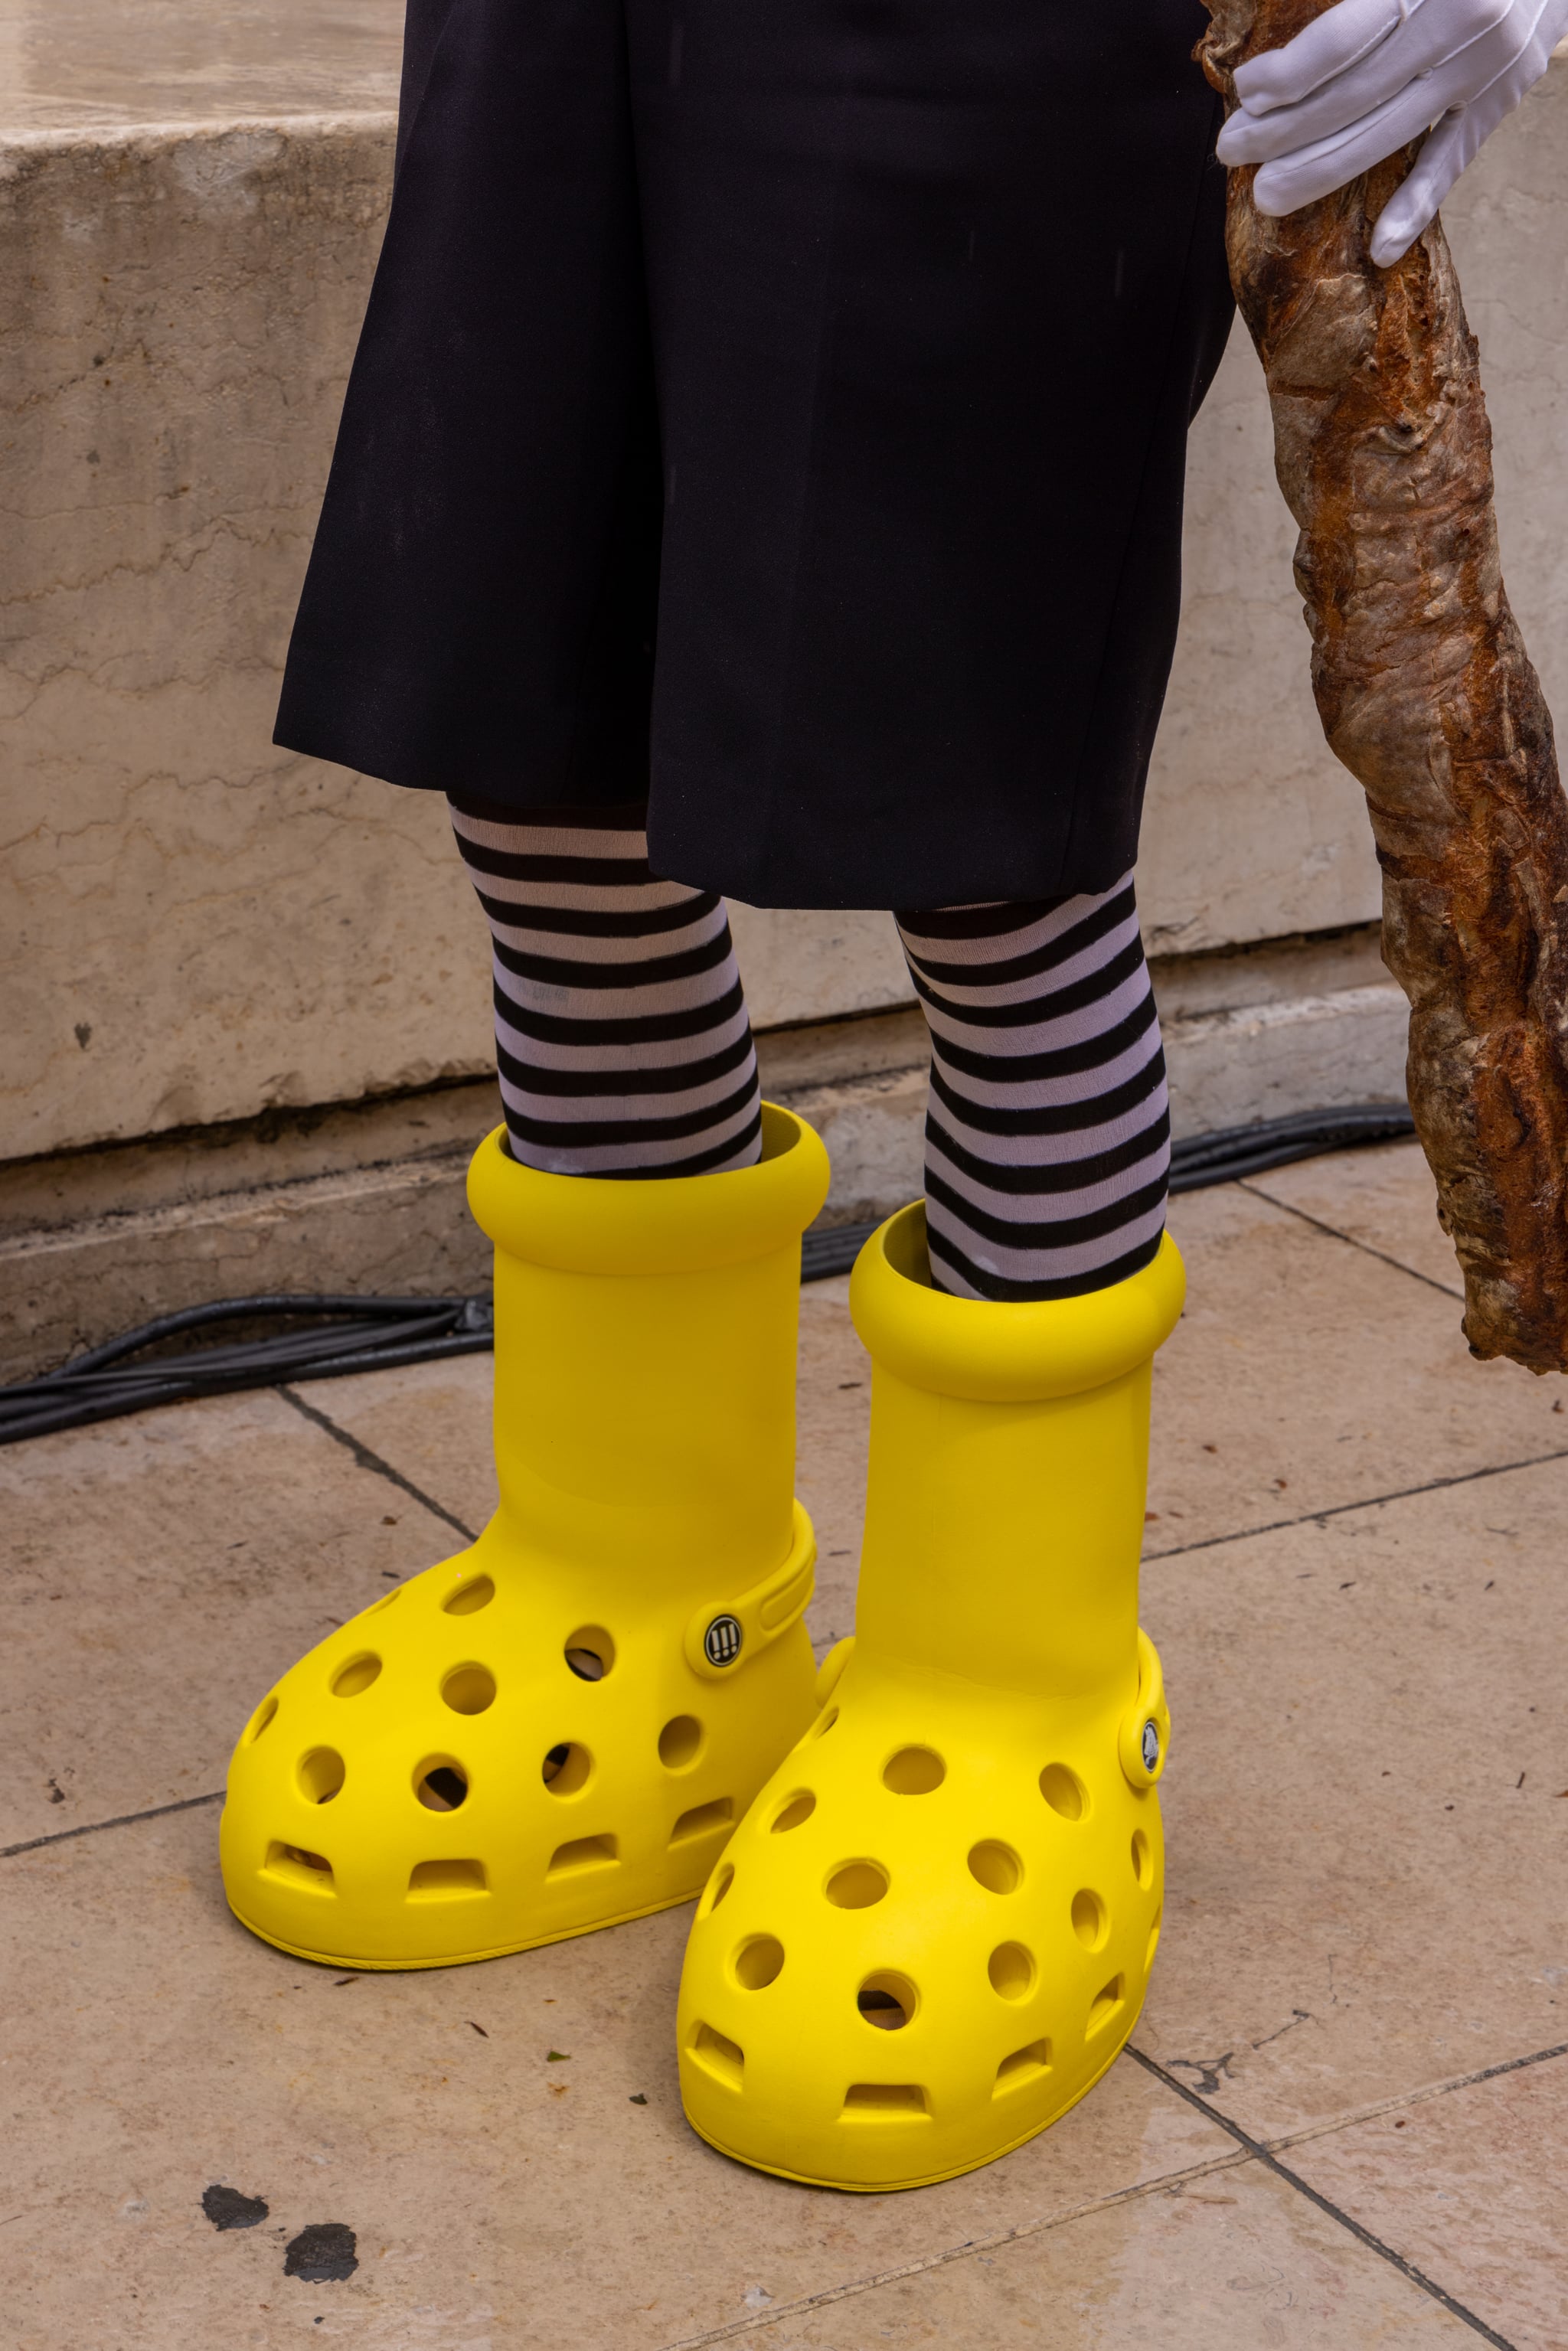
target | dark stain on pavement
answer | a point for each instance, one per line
(226, 2208)
(320, 2254)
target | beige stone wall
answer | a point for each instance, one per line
(194, 926)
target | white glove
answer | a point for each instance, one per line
(1367, 76)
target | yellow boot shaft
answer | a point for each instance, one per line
(645, 1366)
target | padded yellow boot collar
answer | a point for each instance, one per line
(561, 1727)
(932, 1932)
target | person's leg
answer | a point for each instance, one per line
(998, 1722)
(1048, 1135)
(622, 1038)
(560, 1726)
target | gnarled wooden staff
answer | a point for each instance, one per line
(1427, 694)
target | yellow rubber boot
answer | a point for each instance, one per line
(932, 1932)
(561, 1727)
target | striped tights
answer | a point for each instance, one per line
(622, 1038)
(624, 1048)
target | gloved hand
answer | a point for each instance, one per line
(1369, 76)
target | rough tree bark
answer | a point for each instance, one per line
(1427, 694)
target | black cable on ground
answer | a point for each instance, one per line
(328, 1338)
(364, 1334)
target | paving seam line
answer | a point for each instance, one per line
(1259, 2151)
(999, 2237)
(1424, 2096)
(1247, 2151)
(372, 1461)
(1250, 1184)
(1371, 1502)
(118, 1820)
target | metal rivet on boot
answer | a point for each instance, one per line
(1151, 1745)
(721, 1642)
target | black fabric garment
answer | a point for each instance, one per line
(847, 348)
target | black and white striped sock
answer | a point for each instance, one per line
(622, 1034)
(1048, 1136)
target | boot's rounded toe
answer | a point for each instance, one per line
(930, 1936)
(467, 1769)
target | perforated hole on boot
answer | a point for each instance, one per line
(996, 1866)
(856, 1884)
(887, 2000)
(1154, 1943)
(469, 1689)
(261, 1720)
(1090, 1919)
(914, 1772)
(357, 1675)
(1143, 1860)
(717, 2056)
(1011, 1971)
(445, 1881)
(757, 1962)
(680, 1742)
(1107, 2001)
(1064, 1792)
(717, 1887)
(384, 1601)
(882, 2102)
(470, 1597)
(441, 1784)
(566, 1769)
(1025, 2065)
(590, 1653)
(823, 1724)
(582, 1853)
(299, 1867)
(321, 1773)
(703, 1820)
(794, 1810)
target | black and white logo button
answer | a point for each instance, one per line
(721, 1642)
(1151, 1744)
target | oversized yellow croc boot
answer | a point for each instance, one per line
(561, 1727)
(931, 1934)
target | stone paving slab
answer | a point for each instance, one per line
(162, 1570)
(1307, 1375)
(1365, 1837)
(1383, 1197)
(1361, 1915)
(430, 1422)
(496, 2196)
(1233, 2258)
(1470, 2186)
